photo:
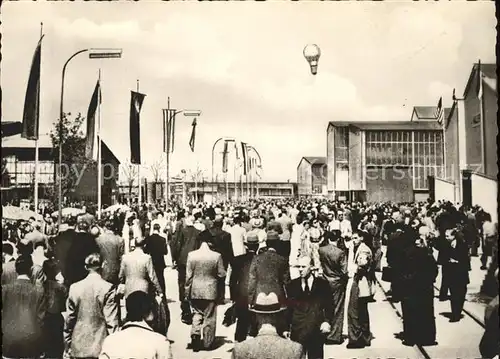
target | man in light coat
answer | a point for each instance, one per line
(204, 271)
(92, 312)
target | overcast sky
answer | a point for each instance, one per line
(241, 64)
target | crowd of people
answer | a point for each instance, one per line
(300, 274)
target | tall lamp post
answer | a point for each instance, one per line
(312, 53)
(187, 113)
(93, 54)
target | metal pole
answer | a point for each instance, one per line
(35, 190)
(61, 122)
(139, 200)
(213, 149)
(99, 160)
(167, 180)
(235, 176)
(227, 188)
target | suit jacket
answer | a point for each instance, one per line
(92, 314)
(269, 272)
(204, 270)
(111, 248)
(23, 312)
(334, 264)
(306, 312)
(459, 272)
(242, 266)
(61, 245)
(221, 243)
(137, 272)
(267, 344)
(490, 342)
(156, 247)
(185, 241)
(81, 246)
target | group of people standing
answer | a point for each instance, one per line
(300, 275)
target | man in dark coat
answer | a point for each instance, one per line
(81, 247)
(185, 241)
(221, 241)
(240, 288)
(112, 248)
(23, 312)
(490, 342)
(61, 243)
(269, 272)
(334, 264)
(156, 247)
(458, 269)
(309, 310)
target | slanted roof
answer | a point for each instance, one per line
(425, 112)
(390, 125)
(315, 160)
(488, 70)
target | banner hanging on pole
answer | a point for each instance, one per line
(136, 100)
(91, 135)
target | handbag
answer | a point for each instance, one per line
(229, 316)
(387, 274)
(366, 290)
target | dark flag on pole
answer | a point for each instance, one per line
(244, 150)
(224, 157)
(90, 139)
(31, 112)
(193, 135)
(136, 100)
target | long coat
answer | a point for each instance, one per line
(269, 272)
(112, 248)
(23, 310)
(204, 271)
(92, 315)
(184, 241)
(240, 285)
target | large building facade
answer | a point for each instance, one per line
(18, 155)
(384, 161)
(311, 177)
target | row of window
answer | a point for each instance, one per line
(404, 136)
(23, 172)
(426, 154)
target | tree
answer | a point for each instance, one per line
(69, 133)
(130, 174)
(157, 168)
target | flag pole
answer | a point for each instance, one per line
(139, 200)
(99, 152)
(36, 179)
(235, 175)
(167, 174)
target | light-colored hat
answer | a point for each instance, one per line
(256, 222)
(252, 237)
(267, 304)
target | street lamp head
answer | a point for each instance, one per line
(192, 113)
(312, 53)
(105, 53)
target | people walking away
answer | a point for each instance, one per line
(240, 289)
(112, 249)
(204, 271)
(136, 339)
(268, 343)
(156, 246)
(458, 269)
(334, 265)
(309, 305)
(185, 240)
(23, 312)
(56, 295)
(91, 312)
(417, 301)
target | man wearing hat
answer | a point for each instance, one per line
(267, 344)
(239, 287)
